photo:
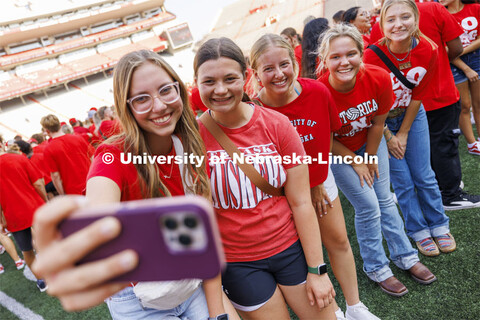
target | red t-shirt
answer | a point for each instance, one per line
(440, 26)
(18, 197)
(125, 174)
(469, 20)
(69, 155)
(423, 62)
(372, 95)
(38, 161)
(314, 115)
(298, 57)
(376, 33)
(196, 102)
(253, 225)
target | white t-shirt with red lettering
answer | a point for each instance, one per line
(372, 95)
(469, 20)
(419, 69)
(253, 225)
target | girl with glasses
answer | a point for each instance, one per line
(152, 105)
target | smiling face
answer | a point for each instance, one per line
(161, 120)
(399, 23)
(362, 21)
(275, 69)
(220, 83)
(343, 60)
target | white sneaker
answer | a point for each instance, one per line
(474, 148)
(339, 314)
(359, 312)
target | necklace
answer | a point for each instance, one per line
(171, 166)
(400, 60)
(171, 170)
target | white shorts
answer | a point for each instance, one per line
(330, 185)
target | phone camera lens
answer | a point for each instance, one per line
(190, 222)
(171, 224)
(185, 240)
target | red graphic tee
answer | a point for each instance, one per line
(314, 115)
(422, 62)
(469, 18)
(253, 225)
(371, 96)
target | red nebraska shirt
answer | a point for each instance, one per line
(253, 225)
(372, 95)
(18, 197)
(314, 115)
(69, 155)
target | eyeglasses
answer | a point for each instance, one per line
(167, 94)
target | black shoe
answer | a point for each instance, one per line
(41, 285)
(463, 201)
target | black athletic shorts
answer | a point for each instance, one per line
(249, 285)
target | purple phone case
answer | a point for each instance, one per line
(142, 233)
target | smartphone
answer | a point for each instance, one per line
(175, 237)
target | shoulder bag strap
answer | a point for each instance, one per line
(391, 66)
(232, 149)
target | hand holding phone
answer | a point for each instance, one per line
(81, 286)
(175, 238)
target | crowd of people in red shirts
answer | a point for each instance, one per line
(391, 84)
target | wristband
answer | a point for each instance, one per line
(320, 269)
(390, 138)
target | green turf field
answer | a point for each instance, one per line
(455, 296)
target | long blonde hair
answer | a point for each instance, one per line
(133, 137)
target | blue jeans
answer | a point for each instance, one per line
(414, 182)
(376, 213)
(125, 305)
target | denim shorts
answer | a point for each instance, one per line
(249, 285)
(125, 305)
(472, 60)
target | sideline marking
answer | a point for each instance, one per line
(18, 309)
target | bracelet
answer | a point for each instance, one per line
(385, 128)
(390, 138)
